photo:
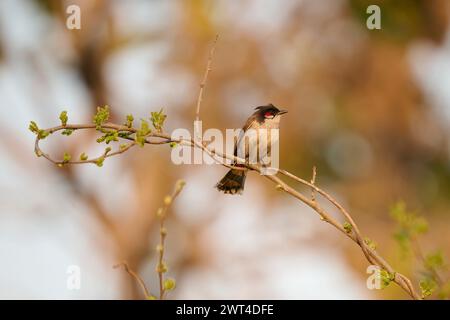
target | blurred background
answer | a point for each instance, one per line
(369, 108)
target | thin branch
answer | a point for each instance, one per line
(313, 181)
(139, 280)
(112, 126)
(161, 268)
(205, 78)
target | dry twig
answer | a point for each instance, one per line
(161, 268)
(138, 279)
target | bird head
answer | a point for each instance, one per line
(268, 112)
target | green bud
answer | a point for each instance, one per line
(130, 120)
(99, 162)
(66, 157)
(173, 144)
(111, 136)
(161, 267)
(158, 119)
(83, 157)
(386, 278)
(169, 284)
(67, 132)
(33, 127)
(43, 134)
(142, 133)
(101, 117)
(64, 118)
(124, 134)
(347, 227)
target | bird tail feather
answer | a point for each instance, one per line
(233, 182)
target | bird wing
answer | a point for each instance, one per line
(251, 121)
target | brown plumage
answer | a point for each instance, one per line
(265, 117)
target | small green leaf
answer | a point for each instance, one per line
(145, 127)
(123, 146)
(67, 132)
(64, 118)
(169, 284)
(43, 134)
(158, 119)
(83, 157)
(112, 136)
(142, 133)
(173, 144)
(33, 127)
(109, 135)
(427, 286)
(124, 134)
(99, 162)
(347, 227)
(130, 120)
(66, 157)
(101, 117)
(386, 278)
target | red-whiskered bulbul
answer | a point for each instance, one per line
(265, 117)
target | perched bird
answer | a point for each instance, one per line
(250, 146)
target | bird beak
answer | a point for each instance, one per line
(282, 112)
